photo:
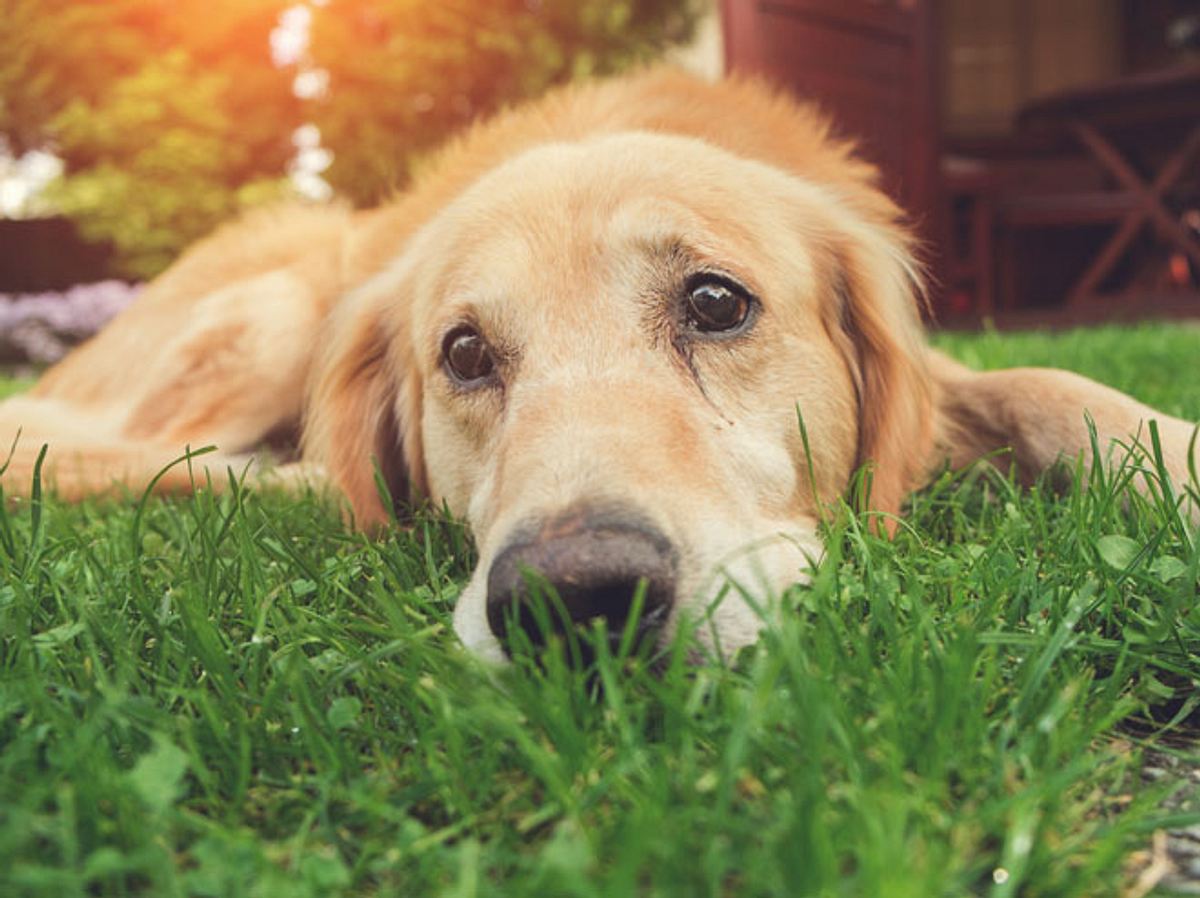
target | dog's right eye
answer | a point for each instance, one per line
(468, 358)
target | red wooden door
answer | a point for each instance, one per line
(868, 63)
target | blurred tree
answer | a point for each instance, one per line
(166, 162)
(169, 116)
(404, 74)
(57, 53)
(53, 51)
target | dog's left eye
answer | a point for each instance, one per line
(468, 358)
(714, 306)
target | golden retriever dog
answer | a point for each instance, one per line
(639, 332)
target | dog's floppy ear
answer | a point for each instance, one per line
(877, 296)
(363, 413)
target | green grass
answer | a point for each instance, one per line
(11, 386)
(1156, 363)
(235, 696)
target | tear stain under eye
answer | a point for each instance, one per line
(679, 347)
(665, 335)
(664, 326)
(665, 329)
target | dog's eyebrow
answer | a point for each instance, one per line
(683, 257)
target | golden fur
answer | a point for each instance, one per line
(562, 230)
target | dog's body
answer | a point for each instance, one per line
(589, 330)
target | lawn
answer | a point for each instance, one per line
(10, 386)
(236, 696)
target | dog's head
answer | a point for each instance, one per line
(634, 357)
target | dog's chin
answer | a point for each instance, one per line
(728, 605)
(471, 622)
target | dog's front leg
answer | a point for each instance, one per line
(1041, 415)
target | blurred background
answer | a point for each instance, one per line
(130, 128)
(1049, 151)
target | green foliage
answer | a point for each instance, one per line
(227, 696)
(161, 146)
(56, 51)
(405, 74)
(11, 386)
(171, 116)
(1149, 360)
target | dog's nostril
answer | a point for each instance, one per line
(596, 573)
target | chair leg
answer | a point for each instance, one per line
(982, 252)
(1006, 264)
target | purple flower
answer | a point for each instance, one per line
(42, 327)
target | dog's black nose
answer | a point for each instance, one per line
(595, 561)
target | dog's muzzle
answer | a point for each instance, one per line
(595, 561)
